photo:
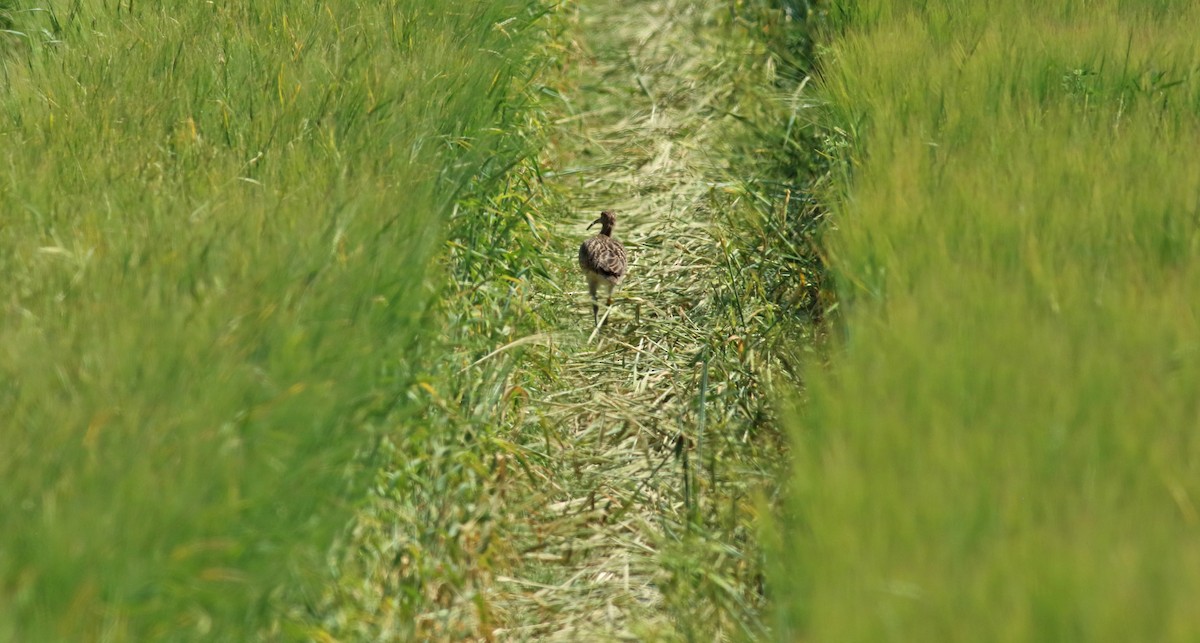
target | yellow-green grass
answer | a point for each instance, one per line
(1006, 446)
(215, 228)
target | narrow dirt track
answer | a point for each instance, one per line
(624, 419)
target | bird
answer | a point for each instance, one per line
(603, 260)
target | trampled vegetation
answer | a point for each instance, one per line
(601, 485)
(1005, 448)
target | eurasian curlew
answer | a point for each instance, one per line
(603, 260)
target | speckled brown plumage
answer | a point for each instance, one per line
(603, 260)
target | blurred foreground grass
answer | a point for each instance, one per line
(217, 222)
(1006, 447)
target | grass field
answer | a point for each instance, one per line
(1005, 447)
(293, 347)
(217, 228)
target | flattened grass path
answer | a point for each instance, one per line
(628, 409)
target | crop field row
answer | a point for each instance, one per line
(1006, 444)
(218, 220)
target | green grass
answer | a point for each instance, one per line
(1005, 447)
(434, 525)
(556, 505)
(217, 228)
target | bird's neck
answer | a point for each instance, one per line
(605, 230)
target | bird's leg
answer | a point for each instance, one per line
(608, 302)
(595, 305)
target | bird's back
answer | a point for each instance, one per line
(605, 257)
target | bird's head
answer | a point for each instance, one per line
(607, 220)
